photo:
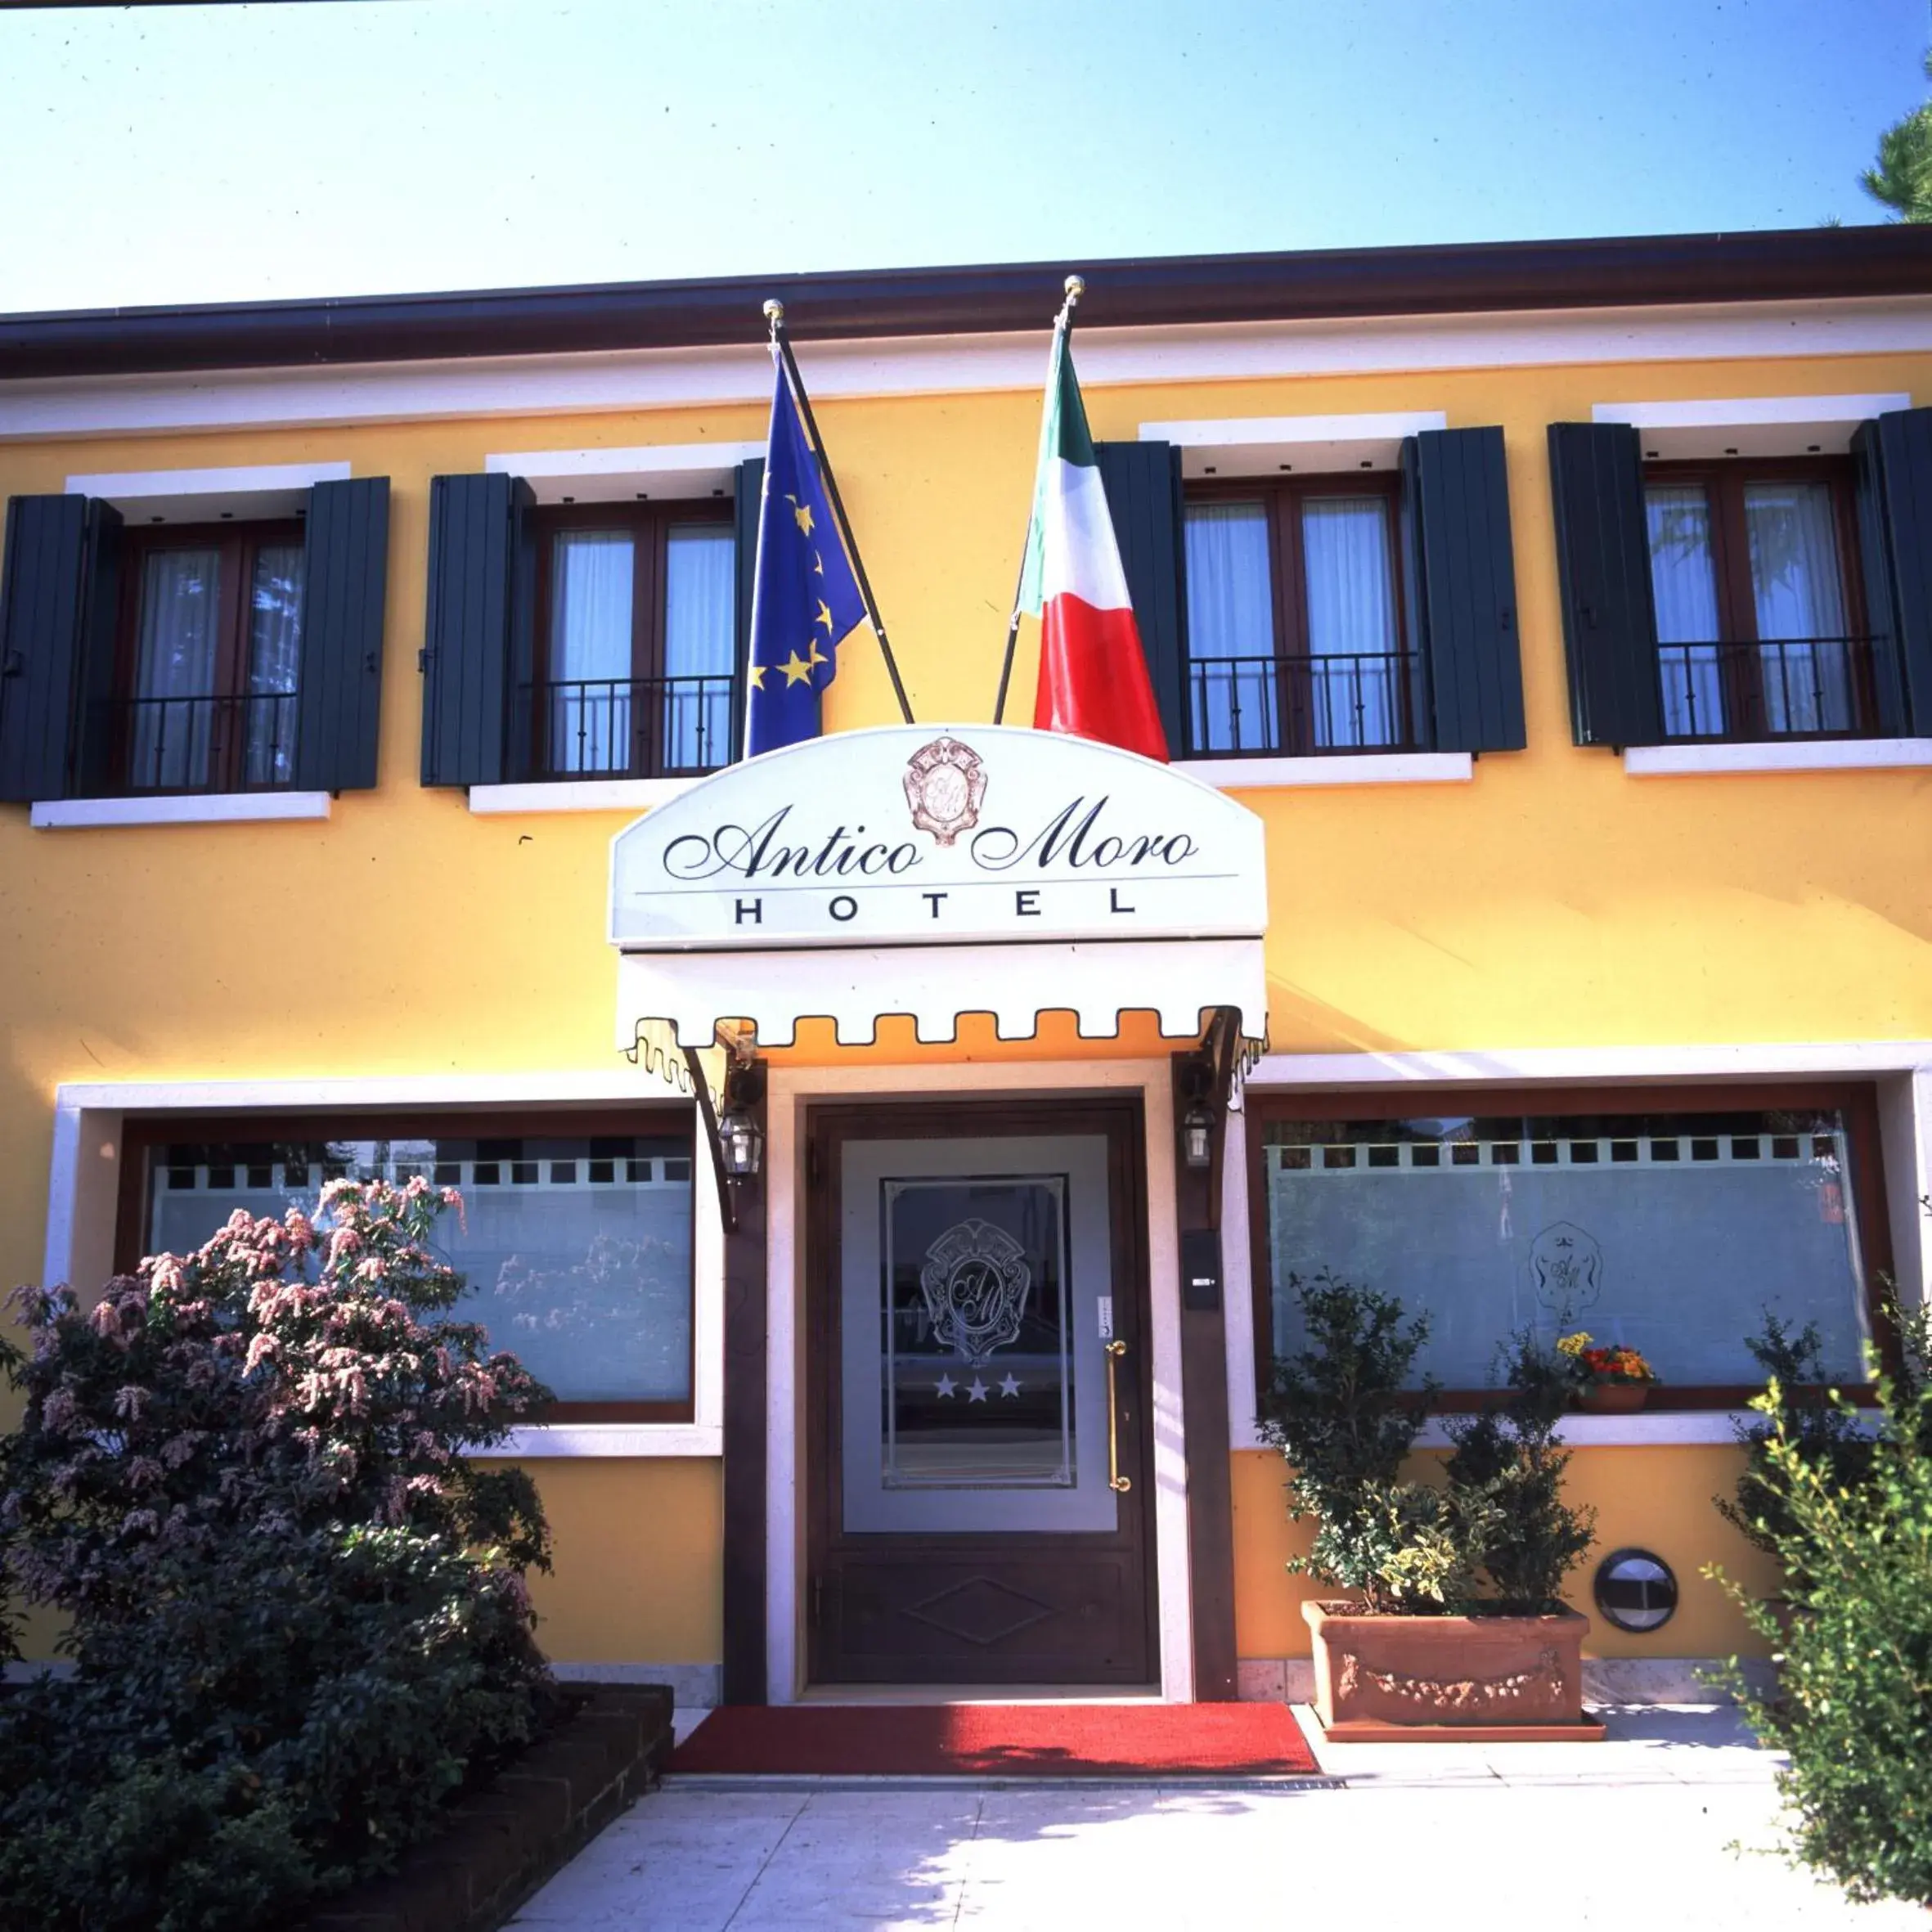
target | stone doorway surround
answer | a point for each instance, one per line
(788, 1091)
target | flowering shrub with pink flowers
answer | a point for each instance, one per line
(297, 1609)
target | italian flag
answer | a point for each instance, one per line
(1093, 672)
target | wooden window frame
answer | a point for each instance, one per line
(649, 527)
(1723, 480)
(141, 1136)
(239, 543)
(1282, 497)
(1855, 1100)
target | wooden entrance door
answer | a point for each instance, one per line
(979, 1500)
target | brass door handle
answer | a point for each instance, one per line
(1115, 1480)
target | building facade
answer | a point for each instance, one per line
(1533, 923)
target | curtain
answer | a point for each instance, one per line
(175, 668)
(1684, 585)
(700, 645)
(1802, 651)
(274, 664)
(1230, 629)
(1353, 666)
(592, 574)
(1679, 1257)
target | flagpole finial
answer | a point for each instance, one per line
(1076, 287)
(774, 313)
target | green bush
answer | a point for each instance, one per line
(1824, 1434)
(1493, 1538)
(1340, 1412)
(1506, 1482)
(297, 1611)
(1852, 1699)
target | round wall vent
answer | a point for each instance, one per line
(1635, 1590)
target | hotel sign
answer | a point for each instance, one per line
(924, 835)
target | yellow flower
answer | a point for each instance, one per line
(1573, 1345)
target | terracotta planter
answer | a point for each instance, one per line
(1392, 1677)
(1614, 1398)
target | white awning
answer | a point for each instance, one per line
(1180, 981)
(933, 871)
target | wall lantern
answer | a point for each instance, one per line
(1196, 1134)
(1635, 1590)
(741, 1142)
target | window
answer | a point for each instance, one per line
(575, 1236)
(1295, 629)
(1672, 1232)
(1759, 623)
(636, 640)
(209, 659)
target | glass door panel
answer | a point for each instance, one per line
(979, 1364)
(976, 1304)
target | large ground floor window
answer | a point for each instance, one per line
(1672, 1224)
(575, 1236)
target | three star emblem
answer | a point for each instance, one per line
(946, 1388)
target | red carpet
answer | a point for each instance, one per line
(1157, 1740)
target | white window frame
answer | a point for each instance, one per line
(660, 472)
(655, 472)
(1901, 1070)
(1743, 427)
(83, 1196)
(244, 493)
(1746, 426)
(1269, 447)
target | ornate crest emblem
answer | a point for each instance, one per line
(975, 1280)
(1566, 1264)
(945, 783)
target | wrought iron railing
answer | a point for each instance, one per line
(1350, 701)
(207, 743)
(1778, 687)
(628, 727)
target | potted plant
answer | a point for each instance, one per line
(1456, 1621)
(1606, 1380)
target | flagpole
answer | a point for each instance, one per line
(1076, 287)
(774, 313)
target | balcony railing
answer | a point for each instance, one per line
(1353, 701)
(628, 727)
(1781, 687)
(208, 742)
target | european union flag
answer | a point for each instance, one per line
(805, 598)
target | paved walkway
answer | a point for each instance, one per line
(1638, 1831)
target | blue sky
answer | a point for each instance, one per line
(211, 153)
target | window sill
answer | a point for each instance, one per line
(577, 794)
(1662, 1428)
(1366, 768)
(557, 1440)
(1832, 754)
(204, 808)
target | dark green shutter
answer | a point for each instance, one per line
(1603, 573)
(344, 576)
(57, 609)
(1143, 494)
(748, 489)
(1893, 463)
(1463, 573)
(477, 627)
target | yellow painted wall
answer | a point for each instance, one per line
(1658, 1499)
(636, 1575)
(1552, 902)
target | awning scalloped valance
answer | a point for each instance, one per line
(666, 1001)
